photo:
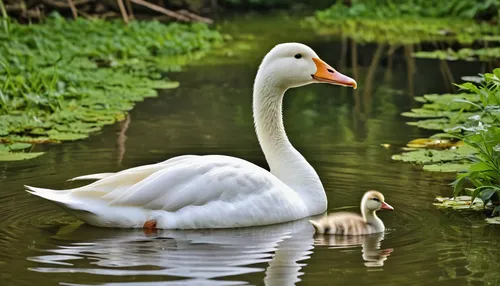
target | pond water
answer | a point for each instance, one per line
(340, 132)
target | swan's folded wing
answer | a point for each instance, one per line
(196, 182)
(120, 182)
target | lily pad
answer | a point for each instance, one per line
(166, 84)
(447, 167)
(67, 136)
(433, 124)
(435, 156)
(444, 99)
(4, 148)
(436, 143)
(424, 113)
(19, 146)
(62, 87)
(19, 156)
(460, 203)
(466, 54)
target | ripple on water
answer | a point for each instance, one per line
(200, 256)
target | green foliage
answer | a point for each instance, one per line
(260, 4)
(466, 54)
(406, 21)
(480, 131)
(385, 9)
(8, 152)
(484, 173)
(435, 156)
(57, 85)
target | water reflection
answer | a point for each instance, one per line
(122, 138)
(371, 252)
(200, 256)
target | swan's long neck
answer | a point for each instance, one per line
(285, 162)
(372, 219)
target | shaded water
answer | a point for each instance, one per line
(337, 129)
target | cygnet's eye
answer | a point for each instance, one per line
(376, 199)
(297, 56)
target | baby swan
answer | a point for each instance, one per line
(353, 224)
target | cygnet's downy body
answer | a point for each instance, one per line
(345, 223)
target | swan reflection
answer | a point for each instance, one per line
(198, 257)
(275, 254)
(371, 252)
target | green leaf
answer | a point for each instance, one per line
(447, 167)
(458, 185)
(486, 195)
(67, 136)
(19, 156)
(19, 146)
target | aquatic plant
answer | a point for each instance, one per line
(58, 85)
(406, 21)
(474, 110)
(478, 162)
(384, 9)
(484, 54)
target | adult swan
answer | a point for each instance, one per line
(215, 191)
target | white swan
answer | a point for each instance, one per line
(215, 191)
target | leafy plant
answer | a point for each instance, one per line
(466, 54)
(406, 21)
(56, 85)
(480, 131)
(484, 174)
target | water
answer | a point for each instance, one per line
(337, 129)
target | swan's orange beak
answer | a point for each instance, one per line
(386, 206)
(325, 73)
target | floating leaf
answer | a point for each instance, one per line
(62, 86)
(67, 136)
(484, 54)
(433, 143)
(447, 167)
(19, 156)
(4, 148)
(460, 203)
(19, 146)
(433, 124)
(435, 156)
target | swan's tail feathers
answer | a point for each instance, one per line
(92, 177)
(59, 197)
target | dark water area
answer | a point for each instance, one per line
(338, 130)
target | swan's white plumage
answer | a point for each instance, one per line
(217, 191)
(184, 192)
(92, 177)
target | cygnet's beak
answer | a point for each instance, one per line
(325, 73)
(386, 206)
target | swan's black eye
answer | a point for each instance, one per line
(297, 56)
(376, 199)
